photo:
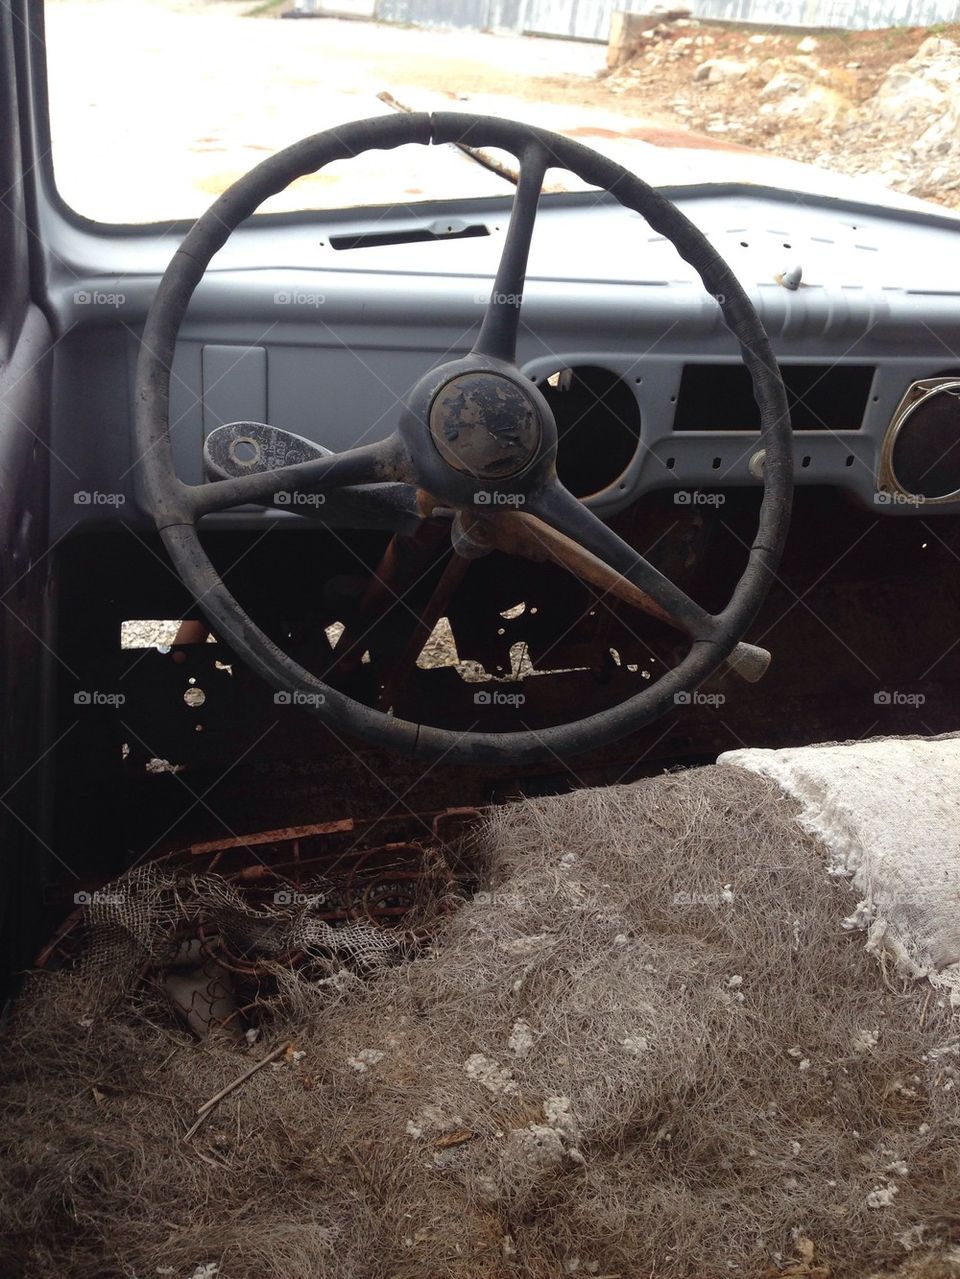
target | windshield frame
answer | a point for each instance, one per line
(61, 225)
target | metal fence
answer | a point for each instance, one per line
(590, 19)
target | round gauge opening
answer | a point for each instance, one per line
(925, 458)
(598, 426)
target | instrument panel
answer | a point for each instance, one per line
(320, 327)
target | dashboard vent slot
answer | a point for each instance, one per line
(409, 235)
(822, 397)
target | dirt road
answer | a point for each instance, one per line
(157, 106)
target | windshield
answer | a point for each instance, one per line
(157, 106)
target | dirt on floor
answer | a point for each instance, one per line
(880, 103)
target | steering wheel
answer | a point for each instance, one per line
(476, 443)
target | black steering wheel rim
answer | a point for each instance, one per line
(171, 503)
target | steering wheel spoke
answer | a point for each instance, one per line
(560, 528)
(589, 543)
(501, 320)
(294, 485)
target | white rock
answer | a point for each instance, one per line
(934, 47)
(364, 1059)
(784, 83)
(433, 1118)
(558, 1113)
(521, 1039)
(808, 45)
(881, 1196)
(636, 1044)
(529, 945)
(945, 74)
(815, 105)
(494, 1077)
(904, 95)
(863, 1040)
(539, 1145)
(715, 70)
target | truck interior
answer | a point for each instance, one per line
(349, 533)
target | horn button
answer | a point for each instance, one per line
(485, 425)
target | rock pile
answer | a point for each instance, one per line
(837, 100)
(924, 94)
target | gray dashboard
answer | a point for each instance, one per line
(320, 325)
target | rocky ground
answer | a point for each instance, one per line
(879, 103)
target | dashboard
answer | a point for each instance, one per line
(320, 325)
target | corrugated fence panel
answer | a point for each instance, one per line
(590, 19)
(472, 14)
(852, 14)
(582, 19)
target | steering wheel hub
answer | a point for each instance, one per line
(485, 425)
